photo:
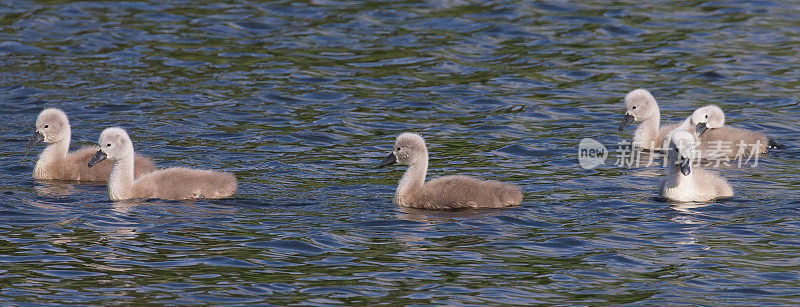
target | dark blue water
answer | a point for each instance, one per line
(301, 100)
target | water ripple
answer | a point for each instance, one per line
(301, 100)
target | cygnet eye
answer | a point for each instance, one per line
(706, 115)
(46, 126)
(108, 145)
(398, 148)
(633, 107)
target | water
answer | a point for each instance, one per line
(301, 100)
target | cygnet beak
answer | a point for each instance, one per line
(99, 156)
(627, 120)
(700, 128)
(389, 160)
(686, 168)
(37, 138)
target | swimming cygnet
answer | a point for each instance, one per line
(449, 192)
(174, 183)
(56, 162)
(714, 139)
(685, 182)
(641, 106)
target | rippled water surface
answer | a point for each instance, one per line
(301, 100)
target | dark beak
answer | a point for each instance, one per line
(701, 127)
(389, 160)
(99, 156)
(686, 168)
(627, 120)
(37, 138)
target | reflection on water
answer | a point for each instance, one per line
(301, 99)
(53, 188)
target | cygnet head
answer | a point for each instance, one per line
(114, 144)
(409, 148)
(52, 126)
(639, 105)
(682, 150)
(708, 117)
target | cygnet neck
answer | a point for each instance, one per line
(59, 148)
(121, 179)
(647, 131)
(413, 179)
(53, 152)
(688, 125)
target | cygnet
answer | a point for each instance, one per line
(449, 192)
(641, 106)
(685, 182)
(714, 139)
(57, 163)
(173, 183)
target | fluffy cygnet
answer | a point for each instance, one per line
(714, 139)
(56, 162)
(172, 183)
(449, 192)
(641, 106)
(685, 182)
